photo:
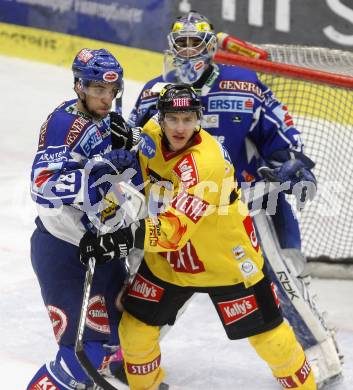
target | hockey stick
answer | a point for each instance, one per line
(135, 206)
(80, 353)
(79, 350)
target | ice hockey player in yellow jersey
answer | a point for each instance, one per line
(198, 237)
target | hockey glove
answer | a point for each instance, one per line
(123, 136)
(102, 169)
(120, 159)
(294, 172)
(111, 246)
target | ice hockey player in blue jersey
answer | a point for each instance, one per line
(258, 132)
(76, 148)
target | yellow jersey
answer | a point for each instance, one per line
(198, 232)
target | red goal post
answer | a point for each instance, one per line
(317, 86)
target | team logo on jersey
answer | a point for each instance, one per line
(249, 227)
(237, 309)
(210, 121)
(142, 288)
(143, 369)
(90, 140)
(147, 146)
(230, 103)
(58, 321)
(185, 260)
(243, 86)
(238, 252)
(44, 383)
(75, 130)
(186, 170)
(248, 268)
(190, 205)
(154, 233)
(97, 315)
(110, 76)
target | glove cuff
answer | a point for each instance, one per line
(136, 135)
(140, 234)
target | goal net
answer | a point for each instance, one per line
(317, 86)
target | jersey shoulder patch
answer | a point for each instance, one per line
(147, 146)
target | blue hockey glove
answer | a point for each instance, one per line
(123, 136)
(295, 172)
(102, 170)
(121, 159)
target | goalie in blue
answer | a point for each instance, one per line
(257, 130)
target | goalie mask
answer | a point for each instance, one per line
(92, 66)
(192, 44)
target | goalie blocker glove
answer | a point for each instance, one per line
(123, 136)
(111, 246)
(294, 168)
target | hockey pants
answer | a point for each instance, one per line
(277, 347)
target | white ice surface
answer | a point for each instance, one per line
(196, 353)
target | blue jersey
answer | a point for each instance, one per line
(240, 111)
(66, 140)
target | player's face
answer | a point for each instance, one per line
(179, 127)
(99, 98)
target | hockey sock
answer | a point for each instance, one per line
(285, 356)
(141, 352)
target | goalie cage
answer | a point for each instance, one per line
(317, 86)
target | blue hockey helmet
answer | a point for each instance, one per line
(98, 66)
